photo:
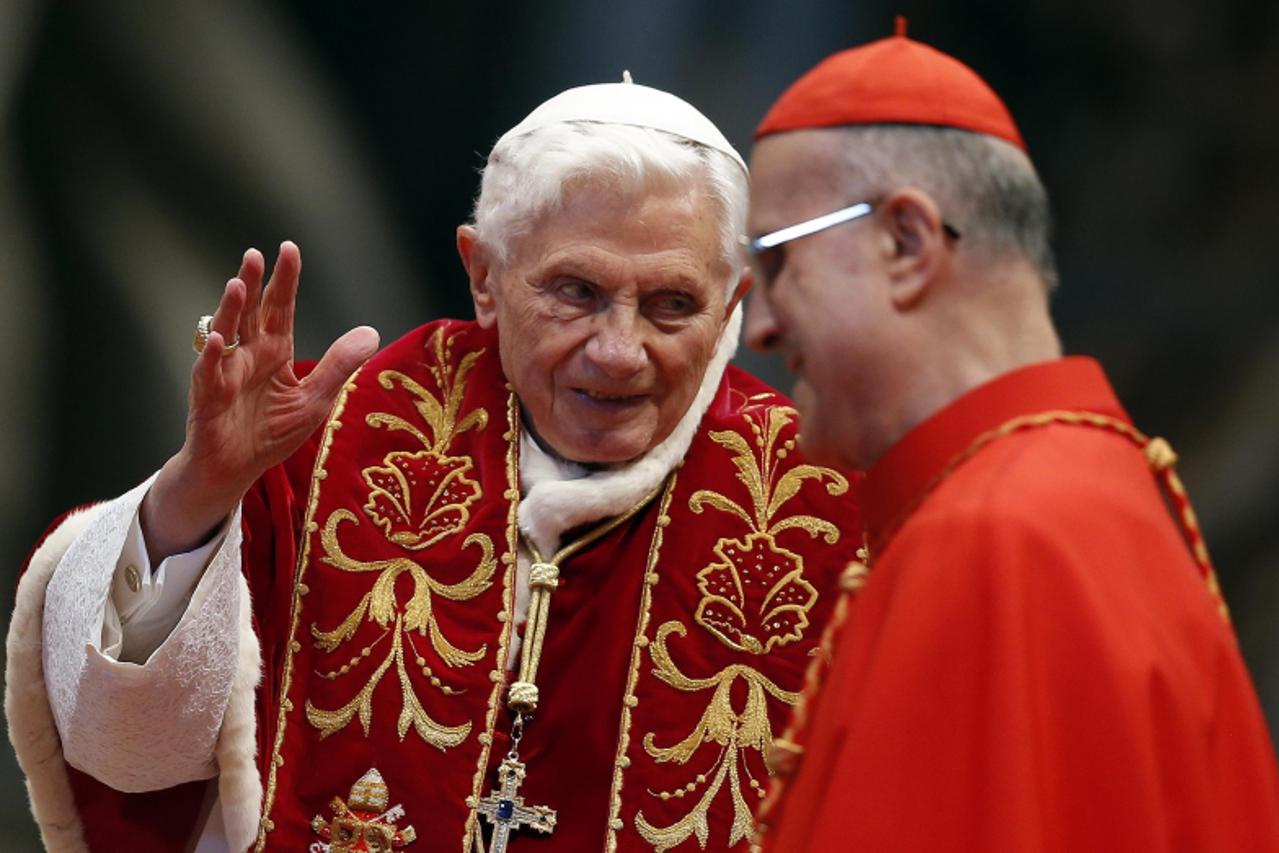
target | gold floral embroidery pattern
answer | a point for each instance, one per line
(720, 724)
(421, 497)
(754, 599)
(756, 590)
(417, 615)
(417, 499)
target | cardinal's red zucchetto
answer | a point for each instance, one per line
(895, 80)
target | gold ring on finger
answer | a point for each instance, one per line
(203, 327)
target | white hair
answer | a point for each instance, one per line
(526, 177)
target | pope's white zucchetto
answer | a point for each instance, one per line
(629, 104)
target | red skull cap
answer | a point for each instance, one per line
(895, 80)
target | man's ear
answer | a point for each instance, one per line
(921, 246)
(739, 292)
(479, 271)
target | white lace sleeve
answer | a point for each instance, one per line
(149, 726)
(147, 602)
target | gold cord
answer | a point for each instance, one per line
(787, 751)
(543, 580)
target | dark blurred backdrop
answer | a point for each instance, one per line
(144, 145)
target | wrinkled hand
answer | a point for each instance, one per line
(248, 410)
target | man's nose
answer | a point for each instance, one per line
(617, 347)
(763, 333)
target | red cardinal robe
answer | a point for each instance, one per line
(1035, 662)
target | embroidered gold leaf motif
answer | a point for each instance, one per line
(759, 470)
(439, 413)
(756, 597)
(417, 498)
(381, 603)
(420, 498)
(416, 615)
(439, 736)
(736, 732)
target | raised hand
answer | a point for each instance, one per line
(248, 410)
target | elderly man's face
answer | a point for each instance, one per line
(608, 313)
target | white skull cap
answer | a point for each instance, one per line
(631, 104)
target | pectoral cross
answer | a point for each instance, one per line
(505, 809)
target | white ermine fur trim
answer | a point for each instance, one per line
(239, 784)
(34, 733)
(26, 701)
(557, 498)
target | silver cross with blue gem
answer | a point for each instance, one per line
(505, 809)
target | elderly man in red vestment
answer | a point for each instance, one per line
(1035, 656)
(546, 580)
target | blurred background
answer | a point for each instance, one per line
(145, 145)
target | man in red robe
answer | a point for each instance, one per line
(545, 580)
(1037, 657)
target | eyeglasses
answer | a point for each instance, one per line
(764, 253)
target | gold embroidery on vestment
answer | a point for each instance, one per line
(736, 732)
(418, 499)
(421, 497)
(445, 511)
(754, 599)
(363, 821)
(299, 589)
(783, 602)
